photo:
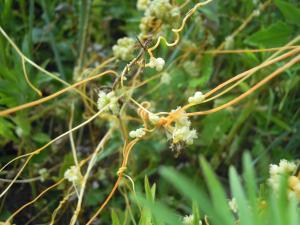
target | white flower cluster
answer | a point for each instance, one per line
(154, 119)
(124, 48)
(157, 10)
(157, 63)
(189, 219)
(142, 4)
(197, 98)
(285, 168)
(108, 99)
(73, 174)
(138, 133)
(162, 9)
(182, 131)
(44, 174)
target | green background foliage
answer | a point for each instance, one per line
(266, 124)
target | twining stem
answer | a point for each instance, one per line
(250, 91)
(178, 30)
(86, 176)
(54, 95)
(126, 153)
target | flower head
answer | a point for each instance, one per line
(285, 168)
(142, 4)
(184, 134)
(72, 174)
(160, 9)
(108, 100)
(182, 131)
(157, 63)
(153, 118)
(124, 48)
(189, 220)
(138, 133)
(197, 98)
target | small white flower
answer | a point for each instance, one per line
(138, 133)
(109, 100)
(184, 134)
(146, 24)
(287, 166)
(153, 118)
(157, 63)
(160, 9)
(124, 48)
(44, 174)
(72, 174)
(189, 219)
(197, 98)
(175, 12)
(233, 205)
(274, 169)
(142, 4)
(182, 119)
(181, 131)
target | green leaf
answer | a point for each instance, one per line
(160, 211)
(273, 36)
(294, 217)
(115, 218)
(217, 193)
(41, 138)
(67, 162)
(6, 129)
(245, 215)
(194, 193)
(289, 11)
(150, 195)
(250, 179)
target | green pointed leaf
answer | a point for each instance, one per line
(217, 193)
(160, 211)
(192, 192)
(245, 215)
(114, 218)
(273, 36)
(290, 11)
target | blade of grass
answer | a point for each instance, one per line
(245, 215)
(53, 42)
(218, 195)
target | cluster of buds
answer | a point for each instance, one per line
(124, 48)
(138, 133)
(157, 63)
(109, 101)
(182, 132)
(157, 11)
(73, 174)
(285, 168)
(197, 98)
(189, 220)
